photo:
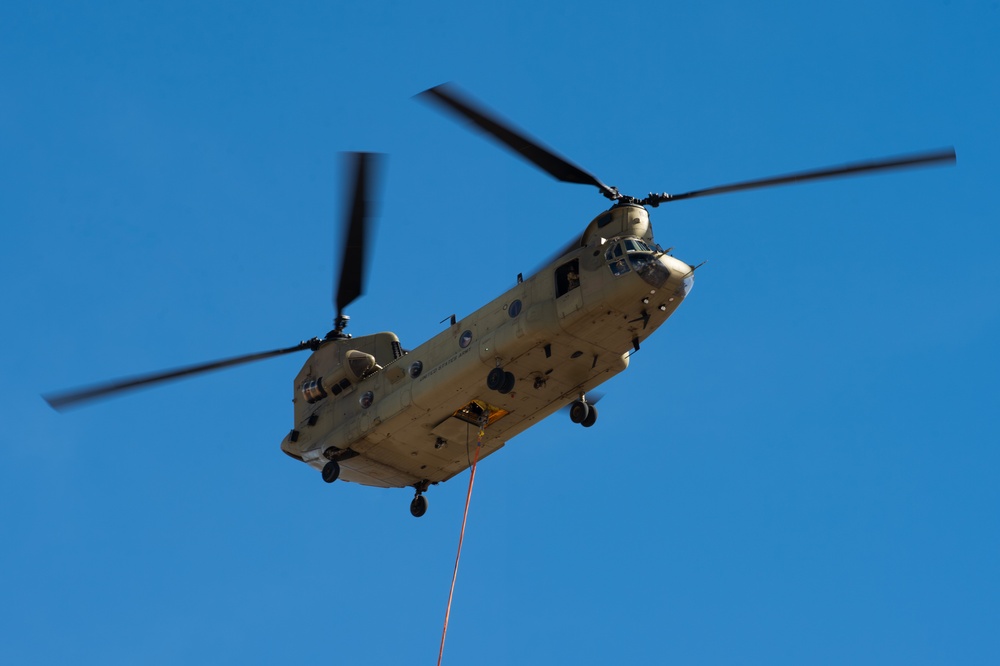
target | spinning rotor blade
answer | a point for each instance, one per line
(357, 221)
(448, 97)
(347, 288)
(945, 155)
(60, 401)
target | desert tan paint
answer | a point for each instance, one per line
(558, 347)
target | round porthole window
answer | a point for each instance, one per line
(465, 340)
(415, 369)
(514, 309)
(366, 399)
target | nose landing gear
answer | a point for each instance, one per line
(583, 412)
(418, 506)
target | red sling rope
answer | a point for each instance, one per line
(461, 537)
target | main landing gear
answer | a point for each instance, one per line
(583, 412)
(418, 506)
(331, 471)
(500, 380)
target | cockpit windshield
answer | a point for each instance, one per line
(628, 245)
(633, 254)
(635, 245)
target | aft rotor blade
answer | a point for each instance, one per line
(60, 401)
(940, 156)
(357, 222)
(448, 97)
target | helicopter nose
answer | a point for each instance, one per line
(681, 276)
(687, 283)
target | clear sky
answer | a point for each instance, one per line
(799, 467)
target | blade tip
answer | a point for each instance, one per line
(437, 91)
(57, 403)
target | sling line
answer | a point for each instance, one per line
(461, 537)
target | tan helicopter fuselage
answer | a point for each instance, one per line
(394, 419)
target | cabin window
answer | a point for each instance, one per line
(567, 277)
(340, 387)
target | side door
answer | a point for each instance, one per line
(569, 296)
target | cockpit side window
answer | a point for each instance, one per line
(619, 267)
(567, 277)
(616, 260)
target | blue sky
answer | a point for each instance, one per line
(799, 467)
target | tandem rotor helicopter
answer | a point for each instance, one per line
(370, 412)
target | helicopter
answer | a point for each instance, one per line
(368, 411)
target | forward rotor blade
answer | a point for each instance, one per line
(571, 245)
(449, 98)
(921, 159)
(61, 401)
(357, 221)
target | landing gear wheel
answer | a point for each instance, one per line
(579, 411)
(331, 471)
(495, 379)
(508, 383)
(591, 417)
(418, 506)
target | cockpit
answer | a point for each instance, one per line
(630, 254)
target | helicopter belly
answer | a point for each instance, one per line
(425, 431)
(369, 472)
(435, 447)
(421, 426)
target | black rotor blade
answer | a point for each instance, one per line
(448, 97)
(357, 223)
(60, 401)
(945, 155)
(574, 243)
